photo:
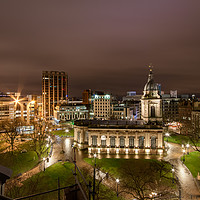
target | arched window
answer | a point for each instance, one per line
(131, 142)
(112, 141)
(122, 142)
(153, 113)
(103, 141)
(153, 142)
(94, 140)
(141, 142)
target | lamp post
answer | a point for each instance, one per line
(173, 170)
(117, 181)
(95, 155)
(167, 135)
(44, 164)
(74, 151)
(183, 155)
(187, 145)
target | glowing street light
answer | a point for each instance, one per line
(152, 195)
(44, 163)
(187, 145)
(117, 181)
(167, 135)
(173, 170)
(183, 155)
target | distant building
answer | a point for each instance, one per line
(196, 119)
(54, 91)
(87, 94)
(68, 112)
(132, 103)
(117, 111)
(13, 106)
(101, 105)
(170, 108)
(173, 94)
(185, 115)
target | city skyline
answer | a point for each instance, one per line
(102, 46)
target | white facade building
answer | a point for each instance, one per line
(101, 106)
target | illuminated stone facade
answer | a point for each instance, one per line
(113, 138)
(151, 102)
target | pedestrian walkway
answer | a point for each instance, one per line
(189, 189)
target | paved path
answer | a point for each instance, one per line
(189, 189)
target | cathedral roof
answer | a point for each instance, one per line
(150, 85)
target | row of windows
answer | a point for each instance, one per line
(122, 142)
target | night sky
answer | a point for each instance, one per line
(103, 45)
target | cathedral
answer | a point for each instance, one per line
(143, 136)
(151, 102)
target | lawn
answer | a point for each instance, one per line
(192, 161)
(178, 139)
(64, 133)
(112, 165)
(45, 181)
(48, 180)
(20, 162)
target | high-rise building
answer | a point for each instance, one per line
(54, 91)
(101, 105)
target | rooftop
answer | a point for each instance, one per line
(119, 124)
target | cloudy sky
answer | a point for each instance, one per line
(103, 45)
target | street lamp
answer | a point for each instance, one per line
(152, 195)
(117, 181)
(187, 145)
(173, 170)
(95, 155)
(44, 163)
(167, 135)
(183, 155)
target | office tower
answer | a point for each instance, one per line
(87, 96)
(101, 105)
(54, 91)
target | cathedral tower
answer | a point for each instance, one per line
(151, 102)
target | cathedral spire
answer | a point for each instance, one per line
(150, 73)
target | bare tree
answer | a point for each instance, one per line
(195, 142)
(15, 188)
(140, 181)
(9, 127)
(39, 138)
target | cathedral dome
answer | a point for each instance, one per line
(150, 85)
